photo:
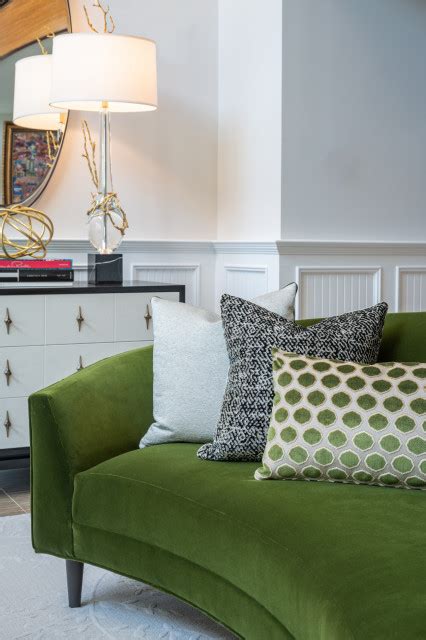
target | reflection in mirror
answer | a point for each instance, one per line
(28, 153)
(30, 137)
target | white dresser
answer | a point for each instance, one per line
(48, 333)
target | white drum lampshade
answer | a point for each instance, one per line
(93, 71)
(31, 108)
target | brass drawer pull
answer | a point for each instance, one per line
(7, 321)
(79, 319)
(80, 364)
(7, 424)
(7, 372)
(148, 317)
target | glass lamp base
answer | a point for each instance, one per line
(107, 223)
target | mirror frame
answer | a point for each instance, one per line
(28, 202)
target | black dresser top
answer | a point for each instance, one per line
(84, 287)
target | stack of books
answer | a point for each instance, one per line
(36, 273)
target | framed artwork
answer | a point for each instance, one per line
(28, 157)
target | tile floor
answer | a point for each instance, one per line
(14, 492)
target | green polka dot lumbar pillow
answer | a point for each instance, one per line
(341, 421)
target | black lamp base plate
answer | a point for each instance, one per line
(105, 269)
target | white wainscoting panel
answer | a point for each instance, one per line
(246, 281)
(334, 277)
(329, 291)
(80, 272)
(187, 274)
(410, 288)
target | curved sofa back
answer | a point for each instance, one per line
(404, 337)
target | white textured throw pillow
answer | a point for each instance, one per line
(191, 367)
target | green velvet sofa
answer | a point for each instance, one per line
(269, 560)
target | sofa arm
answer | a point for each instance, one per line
(91, 416)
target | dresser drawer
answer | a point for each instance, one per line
(23, 368)
(74, 318)
(21, 320)
(133, 315)
(14, 414)
(61, 361)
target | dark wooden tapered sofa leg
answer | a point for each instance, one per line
(74, 582)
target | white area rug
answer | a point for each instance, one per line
(33, 600)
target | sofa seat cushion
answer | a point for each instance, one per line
(328, 561)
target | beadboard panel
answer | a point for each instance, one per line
(410, 288)
(335, 278)
(246, 281)
(187, 274)
(246, 275)
(330, 291)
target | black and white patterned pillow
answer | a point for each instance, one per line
(251, 332)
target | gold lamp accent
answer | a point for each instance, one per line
(109, 202)
(109, 24)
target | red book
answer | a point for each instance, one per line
(35, 264)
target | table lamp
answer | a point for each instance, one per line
(104, 72)
(31, 98)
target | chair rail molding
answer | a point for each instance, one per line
(337, 248)
(172, 246)
(248, 247)
(281, 247)
(136, 246)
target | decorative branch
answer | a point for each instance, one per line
(91, 27)
(43, 49)
(49, 149)
(109, 24)
(90, 158)
(103, 207)
(52, 148)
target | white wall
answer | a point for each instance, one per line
(354, 120)
(165, 162)
(249, 161)
(207, 164)
(354, 148)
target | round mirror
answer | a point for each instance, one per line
(31, 132)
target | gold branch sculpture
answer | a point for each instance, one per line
(52, 148)
(90, 157)
(33, 228)
(109, 24)
(101, 203)
(43, 49)
(103, 207)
